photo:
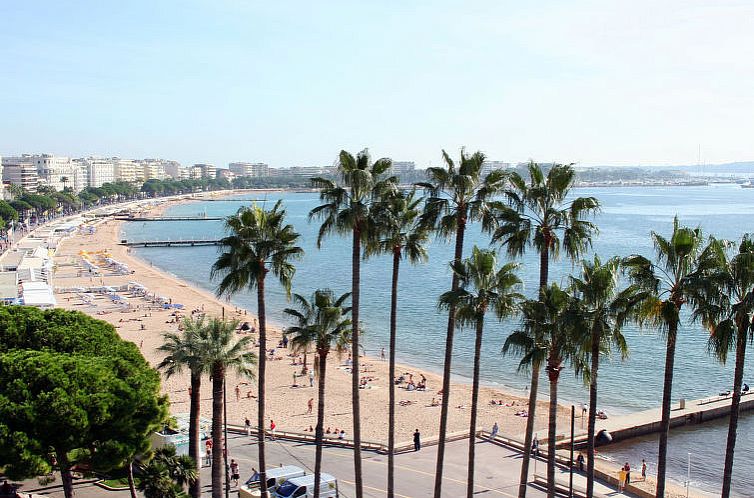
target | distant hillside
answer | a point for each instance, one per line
(735, 167)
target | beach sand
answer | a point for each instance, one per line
(286, 405)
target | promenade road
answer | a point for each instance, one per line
(497, 470)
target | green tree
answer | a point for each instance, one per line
(348, 208)
(669, 287)
(457, 195)
(224, 353)
(7, 213)
(537, 213)
(401, 236)
(320, 322)
(187, 350)
(723, 301)
(482, 287)
(166, 474)
(259, 242)
(69, 383)
(604, 310)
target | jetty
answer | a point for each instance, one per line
(169, 218)
(624, 427)
(170, 243)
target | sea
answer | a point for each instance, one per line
(627, 217)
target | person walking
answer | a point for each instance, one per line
(311, 377)
(535, 446)
(495, 428)
(247, 426)
(580, 462)
(417, 440)
(310, 405)
(627, 468)
(234, 474)
(643, 469)
(272, 429)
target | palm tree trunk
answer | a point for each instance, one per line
(526, 456)
(218, 376)
(592, 413)
(130, 475)
(65, 472)
(261, 379)
(667, 389)
(544, 270)
(553, 374)
(195, 488)
(474, 402)
(355, 294)
(738, 377)
(391, 376)
(319, 434)
(449, 334)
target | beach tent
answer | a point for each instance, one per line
(37, 294)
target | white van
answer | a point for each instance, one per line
(303, 487)
(275, 477)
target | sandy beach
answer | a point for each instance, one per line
(286, 405)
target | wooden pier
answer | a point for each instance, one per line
(170, 243)
(693, 412)
(169, 218)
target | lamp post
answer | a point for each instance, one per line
(570, 462)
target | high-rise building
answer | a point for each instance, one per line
(127, 170)
(225, 173)
(59, 172)
(249, 169)
(21, 171)
(489, 166)
(173, 169)
(153, 170)
(402, 167)
(99, 170)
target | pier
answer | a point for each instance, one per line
(624, 427)
(170, 243)
(169, 218)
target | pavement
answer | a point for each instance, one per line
(497, 470)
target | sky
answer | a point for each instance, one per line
(291, 83)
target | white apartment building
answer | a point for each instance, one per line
(99, 170)
(489, 166)
(153, 170)
(206, 170)
(402, 167)
(59, 172)
(20, 171)
(249, 169)
(127, 170)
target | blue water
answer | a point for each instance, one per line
(627, 217)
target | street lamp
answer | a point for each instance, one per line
(225, 431)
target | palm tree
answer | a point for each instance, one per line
(259, 242)
(724, 303)
(457, 195)
(224, 353)
(347, 208)
(669, 287)
(537, 214)
(320, 322)
(186, 351)
(400, 235)
(548, 335)
(604, 309)
(483, 286)
(166, 473)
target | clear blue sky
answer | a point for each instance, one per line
(291, 83)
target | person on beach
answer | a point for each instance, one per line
(627, 468)
(238, 393)
(247, 425)
(535, 446)
(493, 433)
(643, 469)
(234, 474)
(417, 440)
(342, 434)
(382, 354)
(272, 429)
(310, 406)
(208, 453)
(311, 377)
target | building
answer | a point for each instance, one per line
(127, 170)
(153, 170)
(173, 169)
(206, 170)
(20, 171)
(249, 169)
(99, 170)
(489, 166)
(59, 172)
(225, 173)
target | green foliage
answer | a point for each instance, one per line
(320, 322)
(69, 384)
